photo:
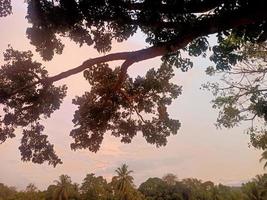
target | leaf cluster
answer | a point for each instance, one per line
(5, 8)
(241, 94)
(139, 106)
(25, 101)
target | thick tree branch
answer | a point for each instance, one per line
(208, 25)
(213, 24)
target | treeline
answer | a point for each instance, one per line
(122, 187)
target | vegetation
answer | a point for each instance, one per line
(174, 30)
(241, 94)
(122, 188)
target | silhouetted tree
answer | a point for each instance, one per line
(116, 102)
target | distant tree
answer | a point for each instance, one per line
(63, 187)
(152, 188)
(116, 102)
(50, 191)
(7, 192)
(195, 188)
(32, 192)
(208, 185)
(228, 193)
(170, 179)
(188, 189)
(157, 189)
(123, 181)
(257, 188)
(94, 188)
(75, 192)
(251, 191)
(31, 188)
(122, 187)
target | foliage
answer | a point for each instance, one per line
(97, 188)
(5, 8)
(256, 189)
(26, 103)
(241, 93)
(96, 23)
(125, 112)
(63, 188)
(170, 178)
(154, 188)
(94, 188)
(30, 193)
(174, 30)
(6, 192)
(123, 183)
(193, 189)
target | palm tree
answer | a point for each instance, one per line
(63, 187)
(124, 181)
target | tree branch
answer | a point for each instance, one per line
(207, 26)
(204, 27)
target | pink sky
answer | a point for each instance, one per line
(198, 150)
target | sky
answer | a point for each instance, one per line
(199, 150)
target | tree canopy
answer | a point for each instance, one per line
(125, 106)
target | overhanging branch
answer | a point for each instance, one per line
(210, 25)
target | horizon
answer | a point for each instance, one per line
(229, 184)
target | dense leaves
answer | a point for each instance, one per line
(139, 106)
(25, 101)
(5, 8)
(116, 103)
(94, 188)
(96, 23)
(35, 146)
